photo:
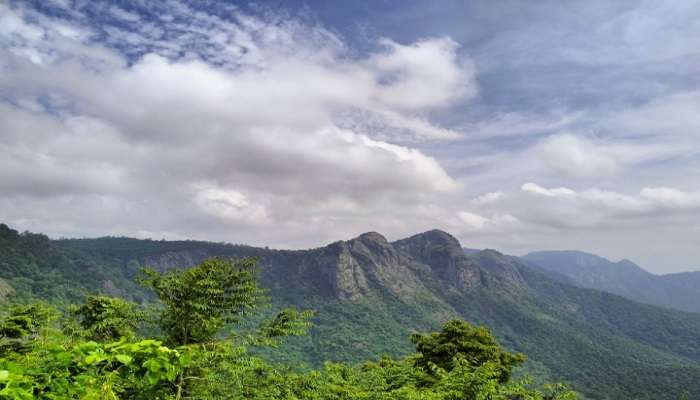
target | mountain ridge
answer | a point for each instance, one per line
(625, 278)
(369, 292)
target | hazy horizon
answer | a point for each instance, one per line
(295, 124)
(390, 239)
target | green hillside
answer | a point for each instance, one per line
(680, 291)
(368, 294)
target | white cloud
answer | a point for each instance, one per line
(472, 220)
(487, 198)
(221, 148)
(671, 198)
(124, 15)
(577, 156)
(513, 124)
(228, 205)
(649, 225)
(670, 116)
(216, 124)
(565, 208)
(539, 190)
(422, 75)
(487, 223)
(13, 27)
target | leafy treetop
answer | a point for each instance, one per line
(459, 340)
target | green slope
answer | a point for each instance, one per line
(680, 291)
(369, 293)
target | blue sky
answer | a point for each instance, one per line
(513, 125)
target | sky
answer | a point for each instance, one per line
(518, 126)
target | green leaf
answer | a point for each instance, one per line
(124, 358)
(152, 365)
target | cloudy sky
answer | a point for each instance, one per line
(513, 125)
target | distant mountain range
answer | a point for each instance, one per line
(369, 293)
(680, 290)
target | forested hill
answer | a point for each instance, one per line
(369, 292)
(680, 291)
(31, 265)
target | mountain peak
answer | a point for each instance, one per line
(372, 237)
(443, 253)
(628, 264)
(498, 264)
(491, 253)
(434, 237)
(582, 261)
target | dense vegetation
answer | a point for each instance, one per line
(96, 352)
(607, 347)
(32, 266)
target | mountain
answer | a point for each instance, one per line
(680, 291)
(369, 293)
(32, 265)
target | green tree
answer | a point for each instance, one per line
(458, 340)
(24, 324)
(107, 318)
(198, 361)
(200, 301)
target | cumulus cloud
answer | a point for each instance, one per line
(230, 206)
(487, 198)
(218, 148)
(472, 220)
(653, 223)
(565, 208)
(576, 156)
(539, 190)
(169, 119)
(424, 74)
(494, 222)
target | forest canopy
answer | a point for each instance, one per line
(190, 344)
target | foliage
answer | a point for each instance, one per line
(107, 318)
(606, 346)
(120, 370)
(463, 344)
(111, 362)
(200, 301)
(25, 324)
(32, 266)
(44, 361)
(289, 322)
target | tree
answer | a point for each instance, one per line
(200, 301)
(458, 340)
(25, 324)
(197, 361)
(107, 318)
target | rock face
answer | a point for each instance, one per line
(387, 267)
(175, 259)
(369, 263)
(5, 289)
(500, 265)
(341, 271)
(350, 269)
(444, 254)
